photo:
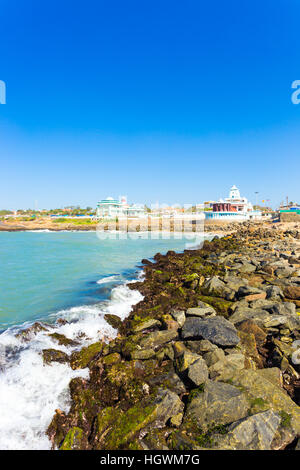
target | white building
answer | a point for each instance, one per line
(110, 208)
(233, 208)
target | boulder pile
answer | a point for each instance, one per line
(207, 360)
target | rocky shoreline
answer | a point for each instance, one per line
(127, 226)
(207, 360)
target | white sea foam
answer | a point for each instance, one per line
(107, 279)
(30, 391)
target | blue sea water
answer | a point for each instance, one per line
(45, 276)
(42, 273)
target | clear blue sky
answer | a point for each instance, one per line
(163, 100)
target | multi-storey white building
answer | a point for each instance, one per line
(110, 208)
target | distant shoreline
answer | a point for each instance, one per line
(130, 226)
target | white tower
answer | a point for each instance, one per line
(234, 193)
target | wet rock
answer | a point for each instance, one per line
(191, 280)
(218, 404)
(28, 333)
(81, 359)
(63, 340)
(75, 440)
(155, 439)
(216, 329)
(113, 320)
(53, 355)
(111, 359)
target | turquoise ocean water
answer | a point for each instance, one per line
(49, 275)
(42, 273)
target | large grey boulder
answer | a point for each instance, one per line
(216, 287)
(158, 338)
(246, 313)
(254, 433)
(224, 368)
(246, 268)
(179, 316)
(284, 271)
(244, 291)
(198, 372)
(264, 385)
(218, 404)
(274, 293)
(174, 383)
(201, 312)
(218, 330)
(200, 347)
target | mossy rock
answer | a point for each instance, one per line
(113, 320)
(53, 355)
(81, 359)
(111, 359)
(75, 440)
(162, 276)
(28, 332)
(258, 405)
(222, 307)
(180, 440)
(115, 429)
(156, 439)
(145, 324)
(63, 340)
(190, 280)
(130, 344)
(88, 398)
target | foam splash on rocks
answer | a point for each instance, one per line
(31, 391)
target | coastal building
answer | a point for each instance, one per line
(233, 207)
(110, 208)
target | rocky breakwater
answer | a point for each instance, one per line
(206, 360)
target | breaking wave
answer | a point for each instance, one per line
(30, 390)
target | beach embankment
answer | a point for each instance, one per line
(124, 225)
(207, 359)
